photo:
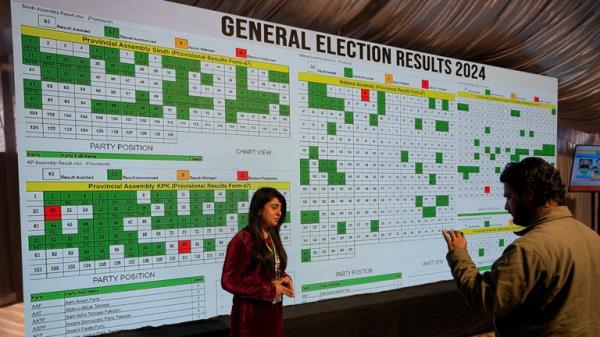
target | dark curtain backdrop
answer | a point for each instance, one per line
(10, 247)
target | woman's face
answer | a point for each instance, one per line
(270, 213)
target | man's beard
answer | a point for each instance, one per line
(521, 217)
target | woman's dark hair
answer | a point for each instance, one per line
(261, 254)
(535, 173)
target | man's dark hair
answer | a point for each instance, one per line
(535, 173)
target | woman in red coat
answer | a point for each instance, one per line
(254, 269)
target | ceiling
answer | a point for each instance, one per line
(559, 38)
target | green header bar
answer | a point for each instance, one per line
(481, 213)
(351, 282)
(92, 155)
(57, 295)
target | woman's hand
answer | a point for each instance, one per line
(288, 283)
(281, 289)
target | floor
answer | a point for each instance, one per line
(12, 321)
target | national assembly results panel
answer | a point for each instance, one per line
(141, 141)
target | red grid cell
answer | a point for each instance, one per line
(52, 213)
(364, 95)
(425, 84)
(487, 190)
(184, 246)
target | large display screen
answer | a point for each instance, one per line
(144, 127)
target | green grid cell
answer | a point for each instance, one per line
(29, 42)
(336, 178)
(418, 168)
(32, 57)
(442, 200)
(518, 153)
(206, 79)
(481, 252)
(431, 103)
(348, 117)
(279, 77)
(373, 120)
(33, 101)
(429, 212)
(327, 165)
(304, 172)
(341, 227)
(515, 113)
(242, 220)
(442, 126)
(381, 102)
(305, 255)
(374, 227)
(432, 179)
(404, 156)
(209, 245)
(462, 107)
(309, 217)
(331, 129)
(140, 58)
(418, 124)
(37, 242)
(439, 158)
(284, 110)
(419, 201)
(467, 170)
(546, 150)
(313, 152)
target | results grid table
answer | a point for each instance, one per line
(83, 87)
(91, 228)
(375, 164)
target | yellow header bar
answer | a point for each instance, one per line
(485, 230)
(506, 100)
(150, 49)
(39, 186)
(353, 83)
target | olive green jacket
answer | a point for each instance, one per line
(546, 283)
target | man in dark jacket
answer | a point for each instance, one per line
(547, 282)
